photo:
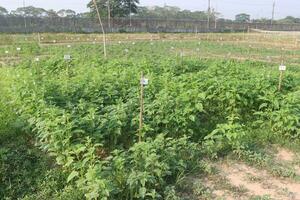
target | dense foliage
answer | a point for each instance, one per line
(83, 115)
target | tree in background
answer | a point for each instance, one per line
(3, 11)
(172, 12)
(289, 20)
(66, 13)
(30, 11)
(52, 13)
(262, 20)
(114, 8)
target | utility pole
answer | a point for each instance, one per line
(273, 12)
(208, 16)
(216, 17)
(25, 23)
(130, 13)
(108, 13)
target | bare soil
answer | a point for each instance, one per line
(237, 180)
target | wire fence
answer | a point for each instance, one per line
(17, 24)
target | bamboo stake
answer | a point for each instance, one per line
(141, 107)
(39, 39)
(280, 80)
(101, 25)
(281, 73)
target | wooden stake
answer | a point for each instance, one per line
(281, 74)
(39, 39)
(141, 107)
(101, 25)
(280, 80)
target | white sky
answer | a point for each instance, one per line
(229, 8)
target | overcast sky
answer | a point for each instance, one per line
(229, 8)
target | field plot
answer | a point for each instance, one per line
(216, 119)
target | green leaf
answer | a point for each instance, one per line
(72, 176)
(142, 192)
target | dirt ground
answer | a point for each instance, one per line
(236, 180)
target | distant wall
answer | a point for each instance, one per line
(13, 24)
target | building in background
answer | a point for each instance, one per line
(243, 17)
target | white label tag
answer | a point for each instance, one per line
(282, 68)
(37, 59)
(18, 49)
(6, 52)
(144, 81)
(67, 57)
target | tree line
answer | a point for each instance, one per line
(130, 8)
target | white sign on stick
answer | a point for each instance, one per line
(67, 57)
(144, 81)
(282, 68)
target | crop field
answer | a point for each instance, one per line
(162, 116)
